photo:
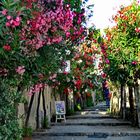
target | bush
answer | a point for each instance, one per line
(27, 131)
(9, 127)
(70, 112)
(45, 122)
(89, 101)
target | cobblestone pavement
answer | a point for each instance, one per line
(90, 124)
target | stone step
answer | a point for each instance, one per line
(89, 117)
(97, 108)
(93, 122)
(102, 112)
(90, 137)
(89, 131)
(89, 124)
(86, 134)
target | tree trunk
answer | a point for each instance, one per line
(37, 111)
(29, 110)
(131, 102)
(137, 98)
(124, 108)
(67, 102)
(123, 102)
(44, 109)
(121, 109)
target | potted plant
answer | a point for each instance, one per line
(27, 133)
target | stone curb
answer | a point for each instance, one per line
(90, 117)
(115, 134)
(97, 109)
(92, 124)
(88, 112)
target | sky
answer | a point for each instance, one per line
(103, 11)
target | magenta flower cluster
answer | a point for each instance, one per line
(48, 27)
(11, 21)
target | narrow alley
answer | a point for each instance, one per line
(90, 124)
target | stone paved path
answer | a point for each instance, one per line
(90, 124)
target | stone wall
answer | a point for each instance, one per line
(49, 104)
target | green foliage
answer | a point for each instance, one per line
(89, 101)
(45, 122)
(75, 4)
(99, 96)
(27, 131)
(124, 45)
(9, 127)
(70, 112)
(77, 107)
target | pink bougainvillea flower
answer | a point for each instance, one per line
(18, 19)
(67, 34)
(7, 48)
(103, 75)
(8, 24)
(66, 91)
(65, 73)
(137, 30)
(134, 63)
(16, 23)
(4, 12)
(8, 17)
(54, 75)
(28, 22)
(100, 59)
(78, 83)
(36, 88)
(107, 61)
(3, 72)
(11, 21)
(20, 70)
(30, 93)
